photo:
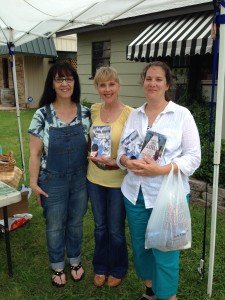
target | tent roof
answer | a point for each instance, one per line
(140, 19)
(22, 21)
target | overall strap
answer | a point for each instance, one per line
(79, 117)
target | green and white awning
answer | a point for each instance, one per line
(181, 35)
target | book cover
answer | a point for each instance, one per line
(101, 141)
(153, 146)
(133, 144)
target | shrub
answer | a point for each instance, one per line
(201, 113)
(86, 103)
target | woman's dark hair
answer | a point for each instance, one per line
(168, 75)
(61, 69)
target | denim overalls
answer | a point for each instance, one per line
(64, 180)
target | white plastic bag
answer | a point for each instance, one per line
(16, 221)
(169, 227)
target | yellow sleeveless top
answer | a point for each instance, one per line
(108, 178)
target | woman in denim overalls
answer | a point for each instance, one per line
(58, 163)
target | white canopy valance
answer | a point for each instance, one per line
(22, 21)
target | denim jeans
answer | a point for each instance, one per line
(110, 254)
(64, 180)
(64, 210)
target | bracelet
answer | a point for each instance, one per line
(124, 163)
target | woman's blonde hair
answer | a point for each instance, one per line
(106, 74)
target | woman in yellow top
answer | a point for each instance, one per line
(104, 182)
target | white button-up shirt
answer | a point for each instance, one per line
(182, 147)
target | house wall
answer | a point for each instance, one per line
(31, 72)
(35, 72)
(129, 72)
(66, 43)
(131, 92)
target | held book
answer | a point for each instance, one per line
(101, 141)
(133, 144)
(153, 146)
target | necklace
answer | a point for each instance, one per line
(152, 114)
(107, 119)
(105, 115)
(108, 116)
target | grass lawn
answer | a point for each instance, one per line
(31, 279)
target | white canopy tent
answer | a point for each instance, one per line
(21, 21)
(24, 20)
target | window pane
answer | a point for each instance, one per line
(100, 55)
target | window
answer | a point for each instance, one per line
(5, 73)
(206, 67)
(100, 55)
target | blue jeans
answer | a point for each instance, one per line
(64, 210)
(110, 254)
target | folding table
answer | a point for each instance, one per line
(8, 195)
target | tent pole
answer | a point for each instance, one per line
(217, 150)
(18, 115)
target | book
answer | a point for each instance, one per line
(153, 146)
(133, 144)
(101, 141)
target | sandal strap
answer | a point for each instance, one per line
(76, 268)
(58, 273)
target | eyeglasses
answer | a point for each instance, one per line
(68, 79)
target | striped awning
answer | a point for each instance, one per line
(182, 35)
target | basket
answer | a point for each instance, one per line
(7, 162)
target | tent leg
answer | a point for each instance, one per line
(217, 150)
(18, 116)
(213, 230)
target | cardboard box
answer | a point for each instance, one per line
(17, 208)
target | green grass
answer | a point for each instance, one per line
(31, 273)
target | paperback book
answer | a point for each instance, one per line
(133, 144)
(153, 146)
(101, 141)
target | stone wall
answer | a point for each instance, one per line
(199, 194)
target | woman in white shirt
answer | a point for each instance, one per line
(159, 270)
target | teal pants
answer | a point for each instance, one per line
(151, 264)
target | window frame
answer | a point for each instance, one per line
(101, 53)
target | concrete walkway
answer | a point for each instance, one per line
(7, 108)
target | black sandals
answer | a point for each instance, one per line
(76, 268)
(59, 274)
